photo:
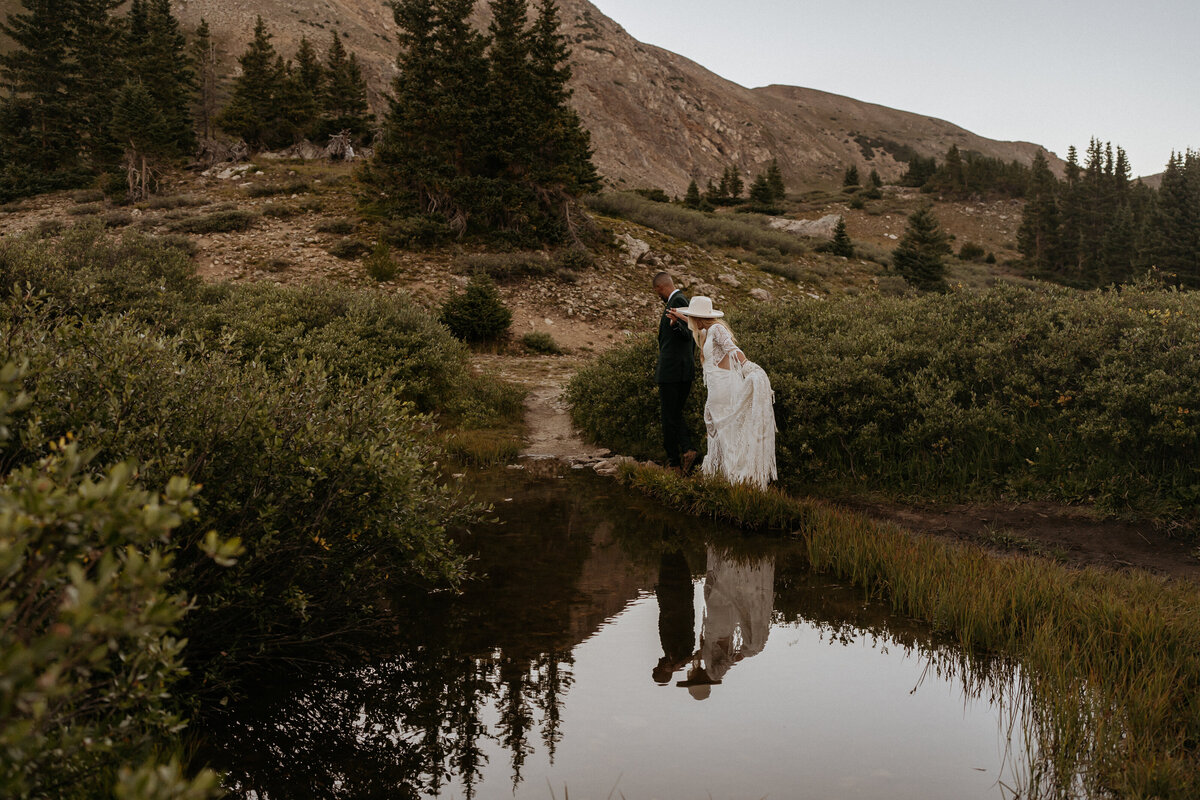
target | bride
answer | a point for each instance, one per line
(738, 413)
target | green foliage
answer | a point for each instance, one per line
(874, 180)
(918, 258)
(87, 619)
(477, 314)
(615, 401)
(775, 181)
(215, 222)
(850, 178)
(343, 94)
(541, 342)
(508, 267)
(840, 244)
(348, 248)
(480, 135)
(1027, 394)
(692, 198)
(341, 227)
(380, 265)
(254, 107)
(970, 251)
(655, 195)
(294, 186)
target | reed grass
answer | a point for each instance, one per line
(1112, 660)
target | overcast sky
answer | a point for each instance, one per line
(1055, 72)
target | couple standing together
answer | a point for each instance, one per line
(739, 416)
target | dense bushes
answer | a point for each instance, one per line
(477, 314)
(300, 414)
(1030, 393)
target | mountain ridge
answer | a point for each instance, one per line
(658, 119)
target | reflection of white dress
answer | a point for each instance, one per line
(738, 600)
(738, 414)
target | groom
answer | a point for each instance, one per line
(673, 374)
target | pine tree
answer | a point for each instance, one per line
(252, 110)
(307, 86)
(158, 59)
(874, 179)
(565, 160)
(851, 176)
(204, 57)
(145, 135)
(736, 185)
(918, 258)
(37, 126)
(692, 198)
(1071, 210)
(840, 244)
(760, 192)
(775, 181)
(344, 94)
(1038, 235)
(1119, 249)
(96, 73)
(1176, 222)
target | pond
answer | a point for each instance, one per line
(612, 649)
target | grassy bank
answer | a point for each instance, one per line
(253, 468)
(1016, 393)
(1112, 661)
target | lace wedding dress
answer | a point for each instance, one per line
(738, 414)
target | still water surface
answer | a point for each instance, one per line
(613, 649)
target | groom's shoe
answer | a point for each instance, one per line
(687, 461)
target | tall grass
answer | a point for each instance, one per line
(744, 231)
(1112, 660)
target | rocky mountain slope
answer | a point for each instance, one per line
(657, 119)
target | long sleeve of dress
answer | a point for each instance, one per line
(722, 344)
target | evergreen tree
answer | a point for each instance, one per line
(841, 245)
(96, 73)
(1037, 237)
(760, 192)
(851, 176)
(204, 57)
(735, 183)
(775, 181)
(307, 85)
(144, 134)
(1071, 231)
(344, 97)
(253, 109)
(692, 198)
(514, 109)
(874, 179)
(1119, 249)
(1176, 222)
(565, 160)
(37, 125)
(158, 59)
(918, 258)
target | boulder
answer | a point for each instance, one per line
(812, 228)
(760, 294)
(730, 280)
(636, 249)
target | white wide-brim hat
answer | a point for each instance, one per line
(701, 307)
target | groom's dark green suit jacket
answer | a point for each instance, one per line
(676, 348)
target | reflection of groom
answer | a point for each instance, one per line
(676, 364)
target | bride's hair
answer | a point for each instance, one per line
(700, 332)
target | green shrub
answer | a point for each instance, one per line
(280, 210)
(348, 248)
(380, 265)
(417, 231)
(507, 267)
(970, 251)
(541, 342)
(1023, 393)
(477, 314)
(858, 202)
(654, 195)
(214, 222)
(117, 219)
(168, 202)
(87, 619)
(575, 259)
(341, 227)
(614, 400)
(328, 482)
(296, 186)
(86, 210)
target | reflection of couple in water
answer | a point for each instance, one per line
(738, 600)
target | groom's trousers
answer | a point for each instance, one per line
(676, 438)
